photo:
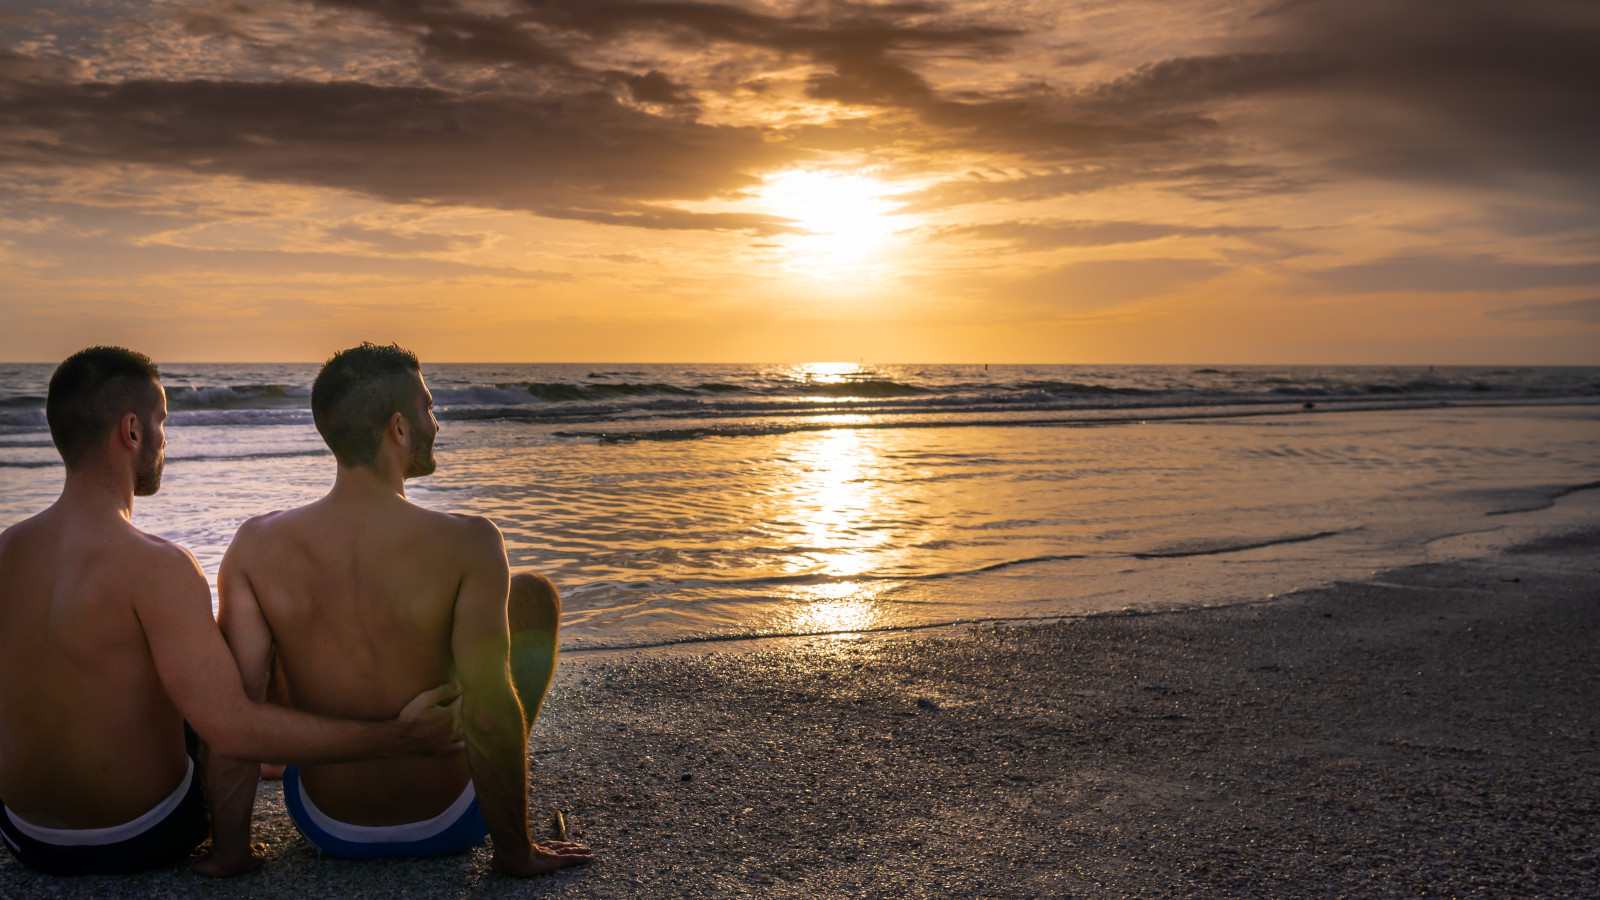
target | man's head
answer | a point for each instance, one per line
(369, 401)
(108, 401)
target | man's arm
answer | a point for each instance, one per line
(491, 715)
(231, 783)
(203, 680)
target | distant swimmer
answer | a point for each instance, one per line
(362, 596)
(109, 653)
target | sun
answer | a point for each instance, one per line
(842, 221)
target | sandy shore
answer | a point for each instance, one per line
(1435, 730)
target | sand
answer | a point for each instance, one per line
(1435, 730)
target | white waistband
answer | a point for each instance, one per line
(95, 837)
(388, 834)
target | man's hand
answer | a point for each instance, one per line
(542, 859)
(227, 865)
(430, 725)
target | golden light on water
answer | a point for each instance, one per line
(827, 372)
(834, 501)
(841, 606)
(844, 221)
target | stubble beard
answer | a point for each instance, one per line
(147, 478)
(422, 462)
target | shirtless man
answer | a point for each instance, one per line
(107, 645)
(361, 598)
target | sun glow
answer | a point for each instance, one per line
(843, 221)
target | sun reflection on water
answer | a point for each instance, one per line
(833, 501)
(851, 607)
(827, 372)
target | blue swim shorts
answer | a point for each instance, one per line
(456, 830)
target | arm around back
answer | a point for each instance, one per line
(202, 678)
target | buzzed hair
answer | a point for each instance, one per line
(90, 391)
(355, 394)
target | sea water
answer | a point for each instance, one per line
(685, 502)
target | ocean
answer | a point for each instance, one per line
(685, 502)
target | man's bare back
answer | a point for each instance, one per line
(85, 706)
(353, 599)
(360, 600)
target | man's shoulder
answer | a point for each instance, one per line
(20, 532)
(471, 531)
(465, 537)
(265, 530)
(159, 555)
(156, 568)
(266, 525)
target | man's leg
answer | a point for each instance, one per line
(535, 616)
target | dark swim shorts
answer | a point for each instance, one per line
(164, 836)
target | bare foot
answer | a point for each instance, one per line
(215, 866)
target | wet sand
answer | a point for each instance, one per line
(1435, 730)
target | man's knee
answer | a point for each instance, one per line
(535, 603)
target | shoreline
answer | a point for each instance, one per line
(1434, 729)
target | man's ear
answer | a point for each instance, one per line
(130, 431)
(399, 427)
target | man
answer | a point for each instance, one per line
(356, 600)
(107, 645)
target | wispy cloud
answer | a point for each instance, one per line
(1586, 311)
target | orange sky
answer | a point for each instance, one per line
(1003, 181)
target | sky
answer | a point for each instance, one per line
(1048, 181)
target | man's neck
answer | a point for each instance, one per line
(365, 483)
(97, 491)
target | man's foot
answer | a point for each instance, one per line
(229, 865)
(542, 859)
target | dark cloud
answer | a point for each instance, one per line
(1473, 94)
(656, 87)
(595, 106)
(584, 157)
(858, 41)
(128, 260)
(1467, 92)
(1586, 310)
(1454, 274)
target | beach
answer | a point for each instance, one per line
(1433, 729)
(1043, 448)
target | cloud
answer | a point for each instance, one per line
(1475, 95)
(117, 260)
(622, 111)
(1463, 93)
(1096, 284)
(389, 241)
(588, 157)
(1586, 311)
(1053, 234)
(1453, 274)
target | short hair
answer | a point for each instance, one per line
(90, 391)
(355, 394)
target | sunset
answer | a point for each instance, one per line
(1362, 182)
(817, 448)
